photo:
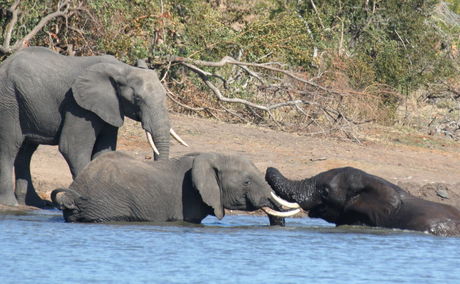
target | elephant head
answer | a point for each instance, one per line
(341, 196)
(113, 90)
(235, 183)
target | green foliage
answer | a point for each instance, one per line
(125, 28)
(202, 33)
(400, 44)
(31, 14)
(403, 44)
(360, 72)
(284, 39)
(454, 5)
(398, 40)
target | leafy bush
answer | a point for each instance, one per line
(375, 47)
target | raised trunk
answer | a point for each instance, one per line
(303, 192)
(282, 186)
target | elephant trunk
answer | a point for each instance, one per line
(157, 124)
(303, 191)
(163, 150)
(284, 187)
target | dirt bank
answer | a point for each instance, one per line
(426, 166)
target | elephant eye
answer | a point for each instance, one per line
(136, 98)
(247, 182)
(325, 192)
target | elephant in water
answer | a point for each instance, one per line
(349, 196)
(76, 102)
(117, 187)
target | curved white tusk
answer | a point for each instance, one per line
(272, 212)
(282, 202)
(150, 139)
(175, 136)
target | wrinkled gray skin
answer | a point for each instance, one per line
(117, 187)
(77, 103)
(349, 196)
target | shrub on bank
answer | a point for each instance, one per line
(377, 49)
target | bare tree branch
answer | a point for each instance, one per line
(320, 106)
(204, 73)
(63, 10)
(170, 95)
(317, 14)
(229, 60)
(10, 26)
(268, 108)
(233, 113)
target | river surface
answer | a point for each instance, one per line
(38, 247)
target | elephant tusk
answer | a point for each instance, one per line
(272, 212)
(282, 202)
(175, 136)
(150, 139)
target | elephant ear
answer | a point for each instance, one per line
(377, 200)
(96, 90)
(204, 178)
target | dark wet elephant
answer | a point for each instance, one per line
(77, 103)
(117, 187)
(349, 196)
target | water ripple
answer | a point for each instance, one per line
(40, 248)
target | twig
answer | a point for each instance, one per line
(170, 96)
(166, 72)
(233, 113)
(318, 159)
(317, 14)
(253, 74)
(204, 73)
(268, 108)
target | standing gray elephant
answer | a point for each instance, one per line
(117, 187)
(77, 103)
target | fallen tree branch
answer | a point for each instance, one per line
(268, 108)
(230, 60)
(318, 105)
(206, 75)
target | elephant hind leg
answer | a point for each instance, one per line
(25, 191)
(7, 196)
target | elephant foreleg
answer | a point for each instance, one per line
(25, 191)
(77, 140)
(276, 221)
(106, 141)
(77, 155)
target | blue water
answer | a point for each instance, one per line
(38, 247)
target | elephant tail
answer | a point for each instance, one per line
(64, 198)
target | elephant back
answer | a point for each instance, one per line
(118, 187)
